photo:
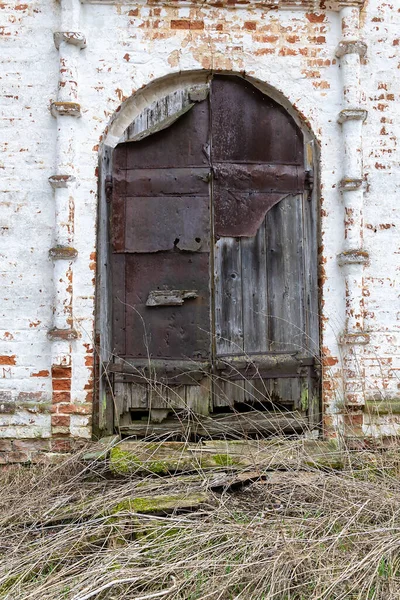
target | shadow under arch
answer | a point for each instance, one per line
(173, 90)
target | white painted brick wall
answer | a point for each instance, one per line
(128, 47)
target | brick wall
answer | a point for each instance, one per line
(129, 47)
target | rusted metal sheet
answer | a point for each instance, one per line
(249, 127)
(167, 223)
(168, 331)
(153, 182)
(257, 156)
(243, 194)
(181, 145)
(118, 198)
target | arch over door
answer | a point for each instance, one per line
(214, 263)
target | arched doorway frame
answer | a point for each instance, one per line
(132, 110)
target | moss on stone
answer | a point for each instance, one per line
(223, 460)
(159, 504)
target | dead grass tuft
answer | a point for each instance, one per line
(73, 532)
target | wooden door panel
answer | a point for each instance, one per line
(285, 267)
(254, 292)
(228, 297)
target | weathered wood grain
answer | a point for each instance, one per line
(234, 425)
(254, 292)
(284, 238)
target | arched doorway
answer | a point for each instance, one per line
(214, 271)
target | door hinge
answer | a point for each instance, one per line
(309, 182)
(108, 188)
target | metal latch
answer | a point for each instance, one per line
(170, 297)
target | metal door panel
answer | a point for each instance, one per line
(167, 331)
(183, 144)
(188, 181)
(167, 223)
(247, 126)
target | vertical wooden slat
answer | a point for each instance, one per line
(257, 391)
(284, 240)
(138, 396)
(157, 395)
(198, 397)
(177, 397)
(254, 292)
(119, 307)
(121, 397)
(228, 314)
(228, 297)
(311, 274)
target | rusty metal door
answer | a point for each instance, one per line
(213, 264)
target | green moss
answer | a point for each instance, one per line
(156, 504)
(223, 460)
(304, 398)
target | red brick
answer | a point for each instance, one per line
(5, 445)
(61, 385)
(8, 360)
(74, 409)
(18, 457)
(61, 372)
(60, 420)
(61, 397)
(29, 445)
(186, 24)
(61, 445)
(43, 373)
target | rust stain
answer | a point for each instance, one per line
(34, 323)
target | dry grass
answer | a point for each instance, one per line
(67, 534)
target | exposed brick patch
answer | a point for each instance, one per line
(60, 420)
(61, 397)
(43, 373)
(58, 372)
(8, 360)
(73, 409)
(5, 445)
(31, 445)
(186, 24)
(61, 385)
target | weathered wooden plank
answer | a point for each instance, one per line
(177, 397)
(198, 397)
(310, 252)
(228, 296)
(254, 292)
(228, 393)
(288, 391)
(122, 397)
(257, 391)
(265, 455)
(284, 239)
(157, 395)
(234, 425)
(138, 395)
